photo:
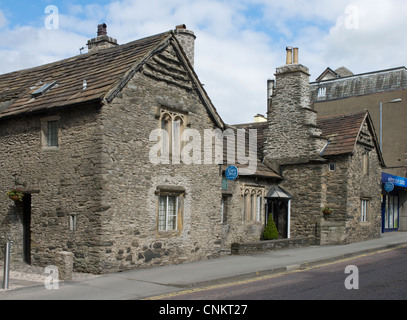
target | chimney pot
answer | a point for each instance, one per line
(181, 26)
(102, 41)
(102, 30)
(295, 52)
(289, 55)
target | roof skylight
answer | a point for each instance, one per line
(43, 89)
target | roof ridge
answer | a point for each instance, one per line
(83, 55)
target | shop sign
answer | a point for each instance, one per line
(396, 181)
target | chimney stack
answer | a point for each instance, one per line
(102, 41)
(187, 41)
(292, 135)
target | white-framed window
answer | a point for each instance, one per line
(168, 213)
(364, 209)
(332, 167)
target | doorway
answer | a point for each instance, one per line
(27, 228)
(279, 205)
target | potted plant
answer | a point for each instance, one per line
(270, 232)
(327, 210)
(16, 194)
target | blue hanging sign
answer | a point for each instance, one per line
(389, 187)
(232, 173)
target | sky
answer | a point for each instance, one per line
(239, 44)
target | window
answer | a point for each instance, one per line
(322, 92)
(223, 217)
(253, 203)
(366, 163)
(332, 167)
(50, 132)
(168, 213)
(224, 183)
(391, 218)
(72, 222)
(365, 203)
(259, 206)
(173, 124)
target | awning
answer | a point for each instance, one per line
(278, 193)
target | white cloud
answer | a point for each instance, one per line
(3, 20)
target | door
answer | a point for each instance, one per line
(27, 228)
(279, 211)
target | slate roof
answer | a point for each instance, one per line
(101, 71)
(343, 131)
(106, 72)
(262, 169)
(360, 84)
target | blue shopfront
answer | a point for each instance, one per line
(393, 186)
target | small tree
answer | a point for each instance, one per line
(270, 232)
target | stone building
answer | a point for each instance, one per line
(324, 161)
(384, 94)
(118, 156)
(76, 137)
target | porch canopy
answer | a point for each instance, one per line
(276, 193)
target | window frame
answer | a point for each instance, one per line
(45, 133)
(253, 203)
(169, 215)
(364, 209)
(170, 146)
(176, 227)
(366, 163)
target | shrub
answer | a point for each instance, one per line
(270, 232)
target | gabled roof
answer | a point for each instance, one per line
(343, 131)
(88, 78)
(329, 74)
(262, 169)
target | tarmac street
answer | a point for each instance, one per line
(27, 282)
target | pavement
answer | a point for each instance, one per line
(27, 282)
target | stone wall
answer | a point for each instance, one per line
(131, 180)
(334, 194)
(258, 247)
(236, 227)
(62, 181)
(303, 182)
(361, 186)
